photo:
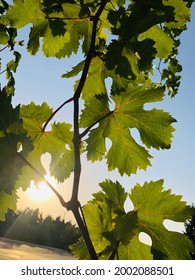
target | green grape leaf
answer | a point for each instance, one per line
(96, 141)
(115, 192)
(57, 142)
(93, 113)
(127, 221)
(96, 77)
(163, 43)
(13, 64)
(135, 250)
(61, 29)
(12, 136)
(4, 38)
(34, 37)
(127, 56)
(24, 12)
(121, 58)
(125, 153)
(107, 212)
(75, 70)
(100, 216)
(153, 125)
(153, 206)
(11, 67)
(80, 250)
(182, 13)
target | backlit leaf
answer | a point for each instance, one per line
(115, 192)
(57, 142)
(79, 250)
(3, 36)
(163, 43)
(96, 77)
(182, 13)
(154, 127)
(61, 29)
(135, 250)
(106, 211)
(153, 205)
(24, 12)
(12, 135)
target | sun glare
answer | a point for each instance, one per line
(41, 192)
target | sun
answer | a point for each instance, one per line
(41, 192)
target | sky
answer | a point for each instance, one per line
(39, 79)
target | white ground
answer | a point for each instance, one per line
(15, 250)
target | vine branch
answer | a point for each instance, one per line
(77, 95)
(74, 203)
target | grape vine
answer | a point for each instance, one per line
(120, 40)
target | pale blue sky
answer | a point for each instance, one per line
(39, 79)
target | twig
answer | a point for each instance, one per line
(3, 71)
(115, 251)
(55, 112)
(159, 70)
(67, 18)
(98, 121)
(7, 46)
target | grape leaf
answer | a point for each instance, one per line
(127, 221)
(80, 250)
(75, 70)
(153, 206)
(24, 12)
(121, 58)
(182, 13)
(125, 153)
(102, 211)
(57, 142)
(12, 135)
(99, 215)
(61, 28)
(4, 38)
(96, 141)
(11, 67)
(115, 192)
(127, 56)
(135, 250)
(96, 77)
(163, 43)
(106, 210)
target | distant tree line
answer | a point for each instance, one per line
(30, 226)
